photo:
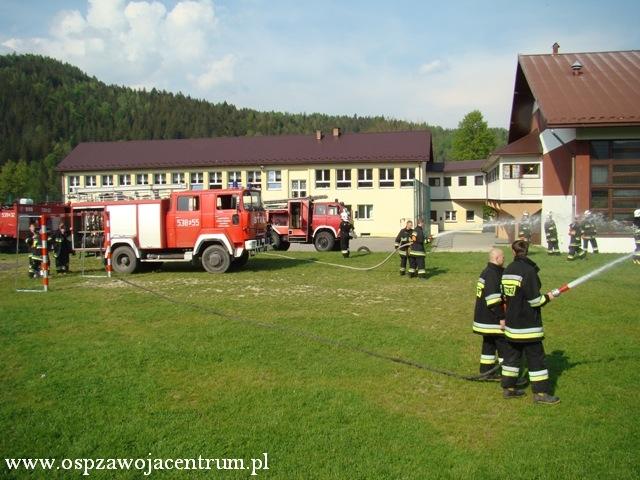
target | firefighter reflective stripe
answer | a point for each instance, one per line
(510, 371)
(493, 299)
(524, 333)
(539, 375)
(538, 301)
(416, 253)
(402, 252)
(491, 328)
(515, 280)
(487, 359)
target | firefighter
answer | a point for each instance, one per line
(523, 327)
(551, 233)
(346, 227)
(403, 240)
(417, 252)
(61, 249)
(575, 232)
(488, 319)
(35, 250)
(524, 232)
(636, 235)
(588, 227)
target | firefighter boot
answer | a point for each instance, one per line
(512, 393)
(545, 399)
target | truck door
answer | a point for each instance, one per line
(187, 220)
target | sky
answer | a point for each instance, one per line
(422, 61)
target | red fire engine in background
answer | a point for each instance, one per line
(304, 220)
(15, 219)
(217, 228)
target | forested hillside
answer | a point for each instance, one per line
(48, 107)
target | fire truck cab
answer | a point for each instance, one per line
(304, 220)
(217, 228)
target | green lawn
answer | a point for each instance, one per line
(234, 365)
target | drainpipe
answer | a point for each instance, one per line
(573, 174)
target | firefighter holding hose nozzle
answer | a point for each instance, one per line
(403, 241)
(523, 327)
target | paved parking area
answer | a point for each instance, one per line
(445, 242)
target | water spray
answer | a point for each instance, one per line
(580, 280)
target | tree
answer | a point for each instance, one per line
(473, 140)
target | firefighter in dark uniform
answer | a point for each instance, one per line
(524, 232)
(636, 235)
(61, 249)
(523, 327)
(403, 240)
(575, 232)
(417, 252)
(34, 246)
(551, 232)
(346, 227)
(589, 232)
(488, 319)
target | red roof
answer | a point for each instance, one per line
(527, 145)
(413, 146)
(604, 91)
(459, 166)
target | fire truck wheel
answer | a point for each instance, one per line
(124, 260)
(215, 259)
(277, 243)
(324, 241)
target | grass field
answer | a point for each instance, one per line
(227, 366)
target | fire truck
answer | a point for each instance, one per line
(304, 220)
(216, 228)
(15, 219)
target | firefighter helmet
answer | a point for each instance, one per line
(587, 212)
(636, 213)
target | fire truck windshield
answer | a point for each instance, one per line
(252, 200)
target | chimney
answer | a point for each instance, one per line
(336, 132)
(318, 135)
(556, 48)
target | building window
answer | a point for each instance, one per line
(450, 216)
(407, 176)
(215, 180)
(197, 180)
(493, 175)
(274, 180)
(235, 179)
(462, 181)
(74, 182)
(478, 180)
(365, 177)
(364, 212)
(159, 179)
(254, 179)
(107, 180)
(298, 188)
(177, 178)
(517, 170)
(386, 177)
(343, 179)
(142, 179)
(470, 216)
(90, 181)
(124, 180)
(434, 181)
(434, 215)
(323, 178)
(615, 181)
(447, 181)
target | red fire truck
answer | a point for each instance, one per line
(217, 228)
(304, 220)
(15, 219)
